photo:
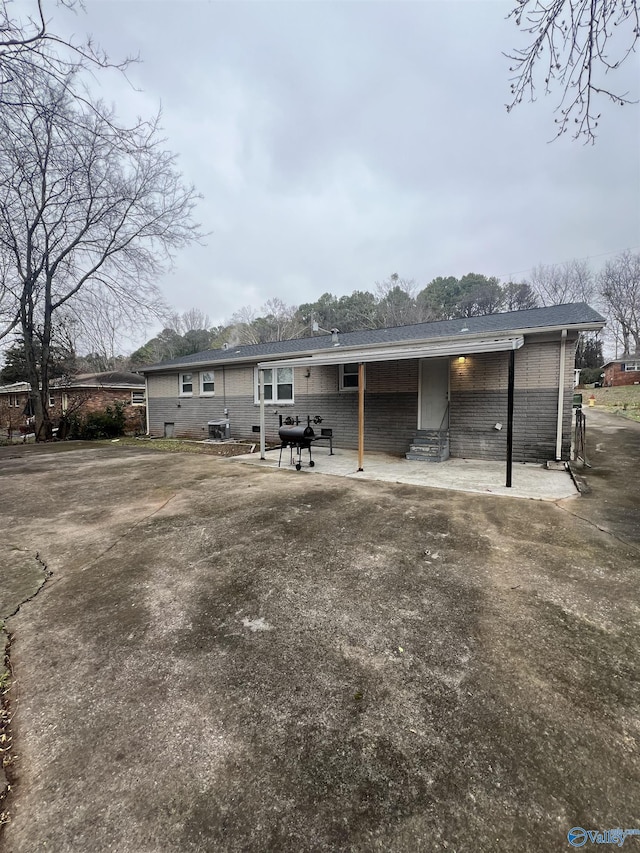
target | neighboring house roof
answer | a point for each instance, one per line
(579, 316)
(111, 379)
(627, 356)
(15, 388)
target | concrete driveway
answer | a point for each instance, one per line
(227, 658)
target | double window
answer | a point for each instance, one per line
(631, 366)
(278, 385)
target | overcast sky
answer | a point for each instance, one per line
(337, 143)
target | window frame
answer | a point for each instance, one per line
(342, 385)
(51, 400)
(631, 366)
(138, 402)
(212, 374)
(275, 399)
(182, 383)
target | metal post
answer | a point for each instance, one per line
(262, 426)
(360, 416)
(512, 361)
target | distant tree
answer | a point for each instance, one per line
(357, 311)
(441, 298)
(397, 302)
(324, 311)
(479, 295)
(518, 296)
(574, 45)
(63, 361)
(589, 351)
(619, 287)
(559, 284)
(278, 322)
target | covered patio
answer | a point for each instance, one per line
(532, 481)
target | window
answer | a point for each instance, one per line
(348, 376)
(13, 400)
(138, 398)
(186, 384)
(278, 385)
(631, 366)
(207, 385)
(52, 401)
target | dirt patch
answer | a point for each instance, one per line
(230, 658)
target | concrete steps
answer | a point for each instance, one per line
(429, 445)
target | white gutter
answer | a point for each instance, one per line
(563, 359)
(341, 355)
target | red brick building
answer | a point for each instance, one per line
(82, 395)
(622, 371)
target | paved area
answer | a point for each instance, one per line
(465, 475)
(223, 657)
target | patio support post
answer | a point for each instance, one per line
(262, 430)
(361, 416)
(512, 362)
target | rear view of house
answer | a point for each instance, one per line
(453, 382)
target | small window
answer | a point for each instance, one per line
(186, 384)
(13, 400)
(278, 385)
(52, 401)
(207, 385)
(138, 398)
(348, 376)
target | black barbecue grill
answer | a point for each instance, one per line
(297, 439)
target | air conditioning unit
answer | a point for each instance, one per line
(219, 430)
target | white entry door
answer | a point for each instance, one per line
(434, 393)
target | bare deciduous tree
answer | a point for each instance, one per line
(84, 207)
(558, 284)
(619, 286)
(28, 48)
(577, 43)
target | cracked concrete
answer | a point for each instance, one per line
(228, 658)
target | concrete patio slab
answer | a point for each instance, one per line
(464, 475)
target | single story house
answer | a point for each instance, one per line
(622, 371)
(82, 394)
(480, 387)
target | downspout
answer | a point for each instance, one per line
(262, 424)
(361, 375)
(563, 359)
(146, 398)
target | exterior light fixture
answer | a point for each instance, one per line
(461, 359)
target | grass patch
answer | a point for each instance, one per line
(623, 400)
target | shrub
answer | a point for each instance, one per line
(588, 375)
(107, 424)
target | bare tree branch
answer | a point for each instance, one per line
(570, 42)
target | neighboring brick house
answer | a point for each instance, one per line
(450, 377)
(622, 371)
(85, 393)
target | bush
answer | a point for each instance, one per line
(589, 375)
(107, 424)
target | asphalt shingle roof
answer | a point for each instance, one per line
(574, 314)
